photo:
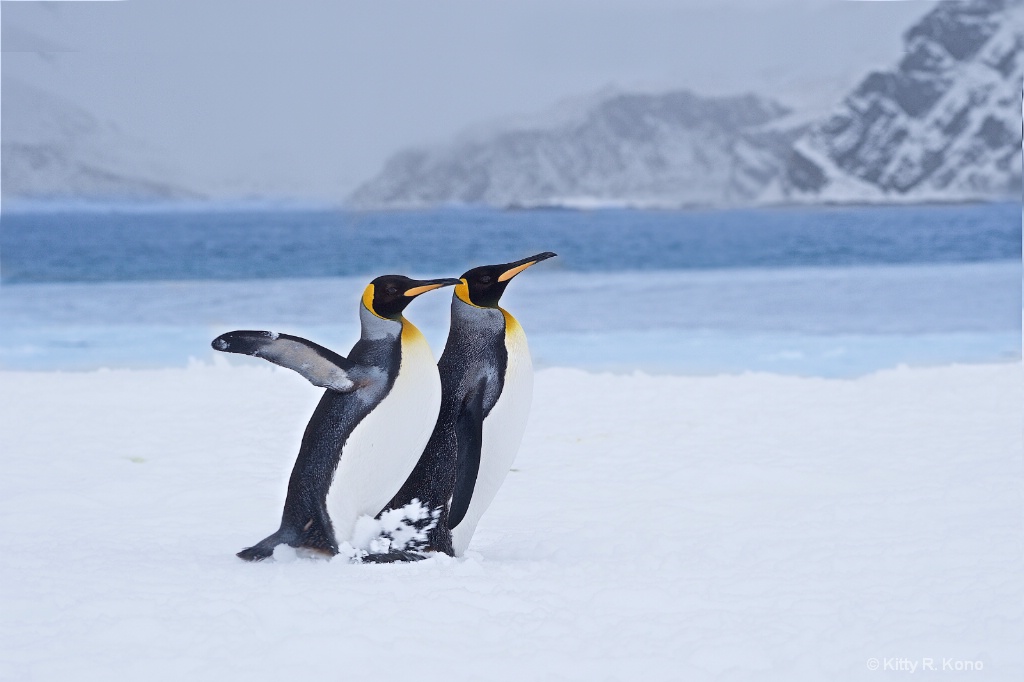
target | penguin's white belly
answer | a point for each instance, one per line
(502, 433)
(384, 447)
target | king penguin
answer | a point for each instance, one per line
(370, 426)
(486, 391)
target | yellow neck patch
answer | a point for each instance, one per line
(368, 300)
(511, 323)
(411, 333)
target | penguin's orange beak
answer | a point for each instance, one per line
(430, 285)
(520, 265)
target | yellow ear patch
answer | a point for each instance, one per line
(462, 291)
(368, 300)
(509, 274)
(416, 291)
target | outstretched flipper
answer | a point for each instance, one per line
(321, 366)
(469, 433)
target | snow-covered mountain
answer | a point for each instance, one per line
(631, 149)
(944, 124)
(51, 148)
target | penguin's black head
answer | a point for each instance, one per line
(483, 286)
(387, 295)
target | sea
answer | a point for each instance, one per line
(836, 291)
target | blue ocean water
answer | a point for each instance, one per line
(100, 246)
(834, 291)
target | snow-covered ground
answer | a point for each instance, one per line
(744, 527)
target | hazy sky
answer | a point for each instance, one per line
(311, 96)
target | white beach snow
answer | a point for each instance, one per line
(736, 527)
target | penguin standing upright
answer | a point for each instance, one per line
(370, 426)
(486, 391)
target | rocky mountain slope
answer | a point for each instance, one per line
(634, 149)
(52, 149)
(944, 124)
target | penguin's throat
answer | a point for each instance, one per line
(375, 327)
(467, 316)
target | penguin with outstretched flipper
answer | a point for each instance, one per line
(370, 426)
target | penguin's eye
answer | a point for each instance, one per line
(391, 290)
(485, 279)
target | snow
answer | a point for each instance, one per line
(751, 526)
(875, 150)
(396, 529)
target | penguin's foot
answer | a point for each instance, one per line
(255, 553)
(393, 556)
(261, 553)
(314, 553)
(264, 549)
(311, 542)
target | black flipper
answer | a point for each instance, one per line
(321, 366)
(469, 434)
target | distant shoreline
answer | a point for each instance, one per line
(43, 206)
